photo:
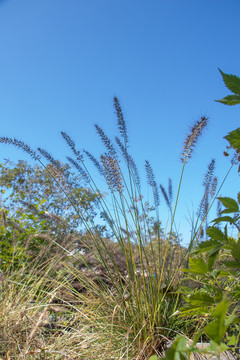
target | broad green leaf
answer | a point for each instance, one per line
(229, 203)
(233, 138)
(232, 82)
(232, 264)
(224, 218)
(216, 329)
(212, 259)
(184, 290)
(221, 309)
(210, 246)
(238, 197)
(227, 211)
(197, 266)
(236, 251)
(230, 319)
(231, 340)
(154, 357)
(215, 233)
(201, 299)
(230, 100)
(223, 272)
(178, 349)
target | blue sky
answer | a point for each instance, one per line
(63, 61)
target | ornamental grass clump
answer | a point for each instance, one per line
(130, 274)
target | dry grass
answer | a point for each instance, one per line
(127, 285)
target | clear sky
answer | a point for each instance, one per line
(62, 61)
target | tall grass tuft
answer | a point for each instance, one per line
(129, 278)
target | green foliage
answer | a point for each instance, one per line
(233, 138)
(35, 210)
(177, 350)
(35, 191)
(214, 266)
(216, 329)
(19, 242)
(218, 279)
(232, 82)
(10, 255)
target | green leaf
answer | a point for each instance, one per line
(227, 211)
(154, 357)
(228, 202)
(231, 340)
(236, 251)
(236, 293)
(211, 247)
(230, 100)
(224, 218)
(200, 299)
(232, 264)
(212, 259)
(214, 233)
(233, 138)
(223, 272)
(178, 349)
(221, 309)
(232, 82)
(216, 329)
(197, 266)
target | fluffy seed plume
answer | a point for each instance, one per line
(170, 190)
(106, 218)
(192, 138)
(210, 185)
(57, 165)
(123, 149)
(106, 141)
(21, 145)
(130, 162)
(151, 181)
(165, 196)
(94, 161)
(112, 172)
(213, 187)
(135, 172)
(168, 197)
(209, 174)
(121, 122)
(72, 146)
(80, 169)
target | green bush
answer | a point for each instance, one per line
(214, 266)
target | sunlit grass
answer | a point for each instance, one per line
(128, 280)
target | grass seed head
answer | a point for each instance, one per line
(192, 138)
(112, 172)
